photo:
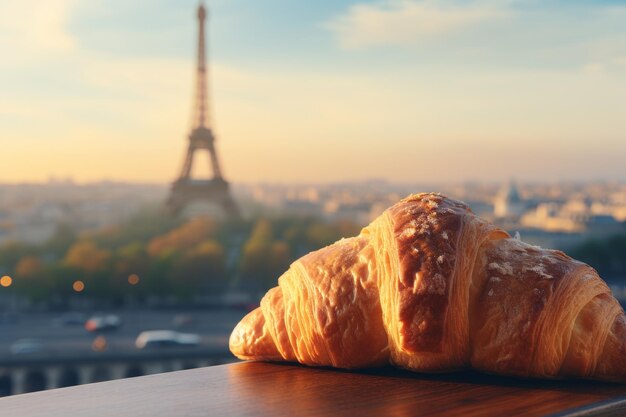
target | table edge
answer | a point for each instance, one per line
(599, 408)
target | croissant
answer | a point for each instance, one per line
(431, 287)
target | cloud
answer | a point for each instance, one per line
(27, 28)
(407, 21)
(593, 68)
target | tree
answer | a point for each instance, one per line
(201, 269)
(86, 256)
(31, 279)
(93, 265)
(29, 266)
(130, 260)
(12, 252)
(607, 256)
(184, 237)
(279, 259)
(143, 226)
(159, 275)
(255, 252)
(263, 258)
(321, 234)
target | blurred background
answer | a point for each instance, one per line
(161, 164)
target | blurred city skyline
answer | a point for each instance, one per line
(406, 90)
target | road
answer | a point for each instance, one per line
(56, 338)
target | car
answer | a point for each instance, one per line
(165, 338)
(181, 320)
(26, 346)
(103, 323)
(71, 318)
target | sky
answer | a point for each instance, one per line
(316, 91)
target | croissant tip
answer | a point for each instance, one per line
(236, 342)
(250, 339)
(241, 341)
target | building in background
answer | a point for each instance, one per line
(216, 190)
(509, 204)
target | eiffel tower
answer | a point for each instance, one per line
(186, 190)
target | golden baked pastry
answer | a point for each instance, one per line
(429, 286)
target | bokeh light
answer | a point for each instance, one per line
(78, 286)
(99, 344)
(133, 279)
(6, 281)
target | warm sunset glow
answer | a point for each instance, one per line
(78, 286)
(398, 90)
(99, 344)
(133, 279)
(6, 281)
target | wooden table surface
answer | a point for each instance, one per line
(262, 389)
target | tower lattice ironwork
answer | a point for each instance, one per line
(186, 190)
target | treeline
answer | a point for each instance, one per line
(607, 256)
(154, 255)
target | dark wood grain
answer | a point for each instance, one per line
(261, 389)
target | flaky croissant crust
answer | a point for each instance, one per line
(429, 286)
